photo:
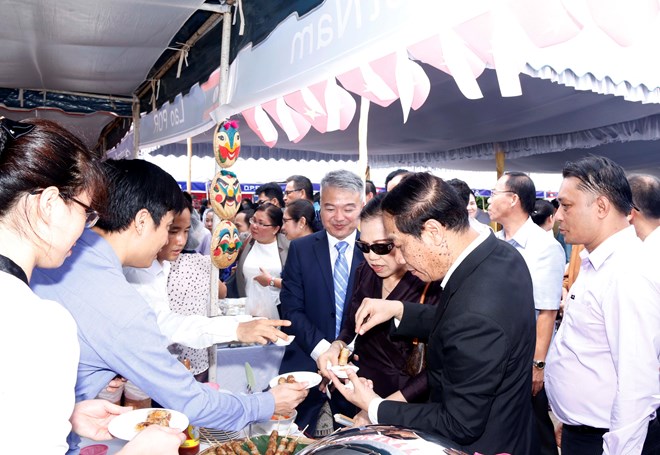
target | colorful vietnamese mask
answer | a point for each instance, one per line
(225, 194)
(226, 143)
(225, 244)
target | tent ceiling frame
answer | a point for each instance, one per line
(211, 22)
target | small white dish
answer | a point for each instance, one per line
(281, 342)
(123, 426)
(313, 379)
(340, 370)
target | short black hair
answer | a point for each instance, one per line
(602, 177)
(462, 189)
(370, 188)
(273, 212)
(246, 204)
(393, 174)
(421, 197)
(134, 185)
(542, 210)
(272, 190)
(373, 208)
(303, 183)
(522, 185)
(646, 194)
(302, 208)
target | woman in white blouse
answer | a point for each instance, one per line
(261, 261)
(50, 188)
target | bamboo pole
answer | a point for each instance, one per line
(222, 95)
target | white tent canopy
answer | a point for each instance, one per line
(300, 83)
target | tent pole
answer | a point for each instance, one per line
(222, 98)
(136, 126)
(189, 181)
(363, 158)
(499, 159)
(499, 166)
(224, 57)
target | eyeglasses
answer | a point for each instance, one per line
(91, 215)
(15, 129)
(495, 192)
(381, 249)
(254, 222)
(287, 192)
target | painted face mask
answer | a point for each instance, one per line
(225, 194)
(225, 244)
(226, 143)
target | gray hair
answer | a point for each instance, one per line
(345, 180)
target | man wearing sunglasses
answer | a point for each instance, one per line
(318, 284)
(480, 335)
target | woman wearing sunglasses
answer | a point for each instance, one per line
(391, 364)
(50, 188)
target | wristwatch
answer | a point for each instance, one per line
(540, 364)
(272, 283)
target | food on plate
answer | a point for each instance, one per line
(290, 379)
(282, 446)
(272, 443)
(279, 417)
(343, 356)
(259, 445)
(252, 447)
(156, 417)
(236, 447)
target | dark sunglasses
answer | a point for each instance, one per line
(381, 249)
(15, 129)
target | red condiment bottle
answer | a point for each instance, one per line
(191, 445)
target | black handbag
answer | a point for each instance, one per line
(416, 362)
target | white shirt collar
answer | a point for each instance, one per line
(603, 251)
(653, 237)
(350, 239)
(469, 249)
(156, 268)
(522, 234)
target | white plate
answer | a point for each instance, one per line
(340, 371)
(313, 379)
(281, 342)
(123, 426)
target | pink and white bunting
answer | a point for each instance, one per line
(372, 49)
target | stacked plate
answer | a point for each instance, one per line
(214, 436)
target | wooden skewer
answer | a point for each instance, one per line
(208, 435)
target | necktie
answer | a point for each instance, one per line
(340, 277)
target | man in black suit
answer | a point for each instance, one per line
(310, 297)
(480, 336)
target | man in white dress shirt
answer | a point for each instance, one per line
(194, 331)
(511, 204)
(646, 196)
(644, 277)
(602, 369)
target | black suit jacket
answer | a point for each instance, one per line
(481, 341)
(308, 298)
